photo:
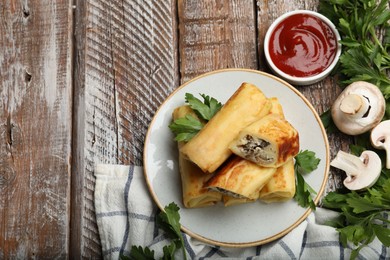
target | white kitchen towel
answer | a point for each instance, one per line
(125, 214)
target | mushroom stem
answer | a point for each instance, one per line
(362, 172)
(354, 105)
(386, 147)
(348, 163)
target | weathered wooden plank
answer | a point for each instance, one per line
(216, 34)
(35, 128)
(321, 94)
(126, 65)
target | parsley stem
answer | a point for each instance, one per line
(183, 250)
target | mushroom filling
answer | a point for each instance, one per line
(257, 150)
(227, 192)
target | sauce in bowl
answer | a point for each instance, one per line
(302, 45)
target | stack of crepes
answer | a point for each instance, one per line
(243, 154)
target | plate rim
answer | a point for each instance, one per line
(277, 235)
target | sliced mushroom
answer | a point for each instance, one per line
(380, 139)
(359, 108)
(362, 172)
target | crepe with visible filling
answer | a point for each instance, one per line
(231, 185)
(210, 147)
(281, 187)
(269, 142)
(195, 195)
(240, 178)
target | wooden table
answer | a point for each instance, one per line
(80, 82)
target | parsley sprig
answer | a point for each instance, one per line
(169, 221)
(305, 162)
(187, 127)
(364, 215)
(365, 32)
(206, 109)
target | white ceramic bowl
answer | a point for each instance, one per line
(298, 80)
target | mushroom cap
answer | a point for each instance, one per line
(380, 139)
(379, 132)
(367, 175)
(352, 125)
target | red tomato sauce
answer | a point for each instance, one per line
(302, 45)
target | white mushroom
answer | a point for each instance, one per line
(362, 172)
(380, 139)
(359, 108)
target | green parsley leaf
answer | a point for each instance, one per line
(327, 121)
(206, 109)
(185, 128)
(305, 162)
(383, 234)
(169, 251)
(169, 221)
(303, 194)
(138, 253)
(364, 204)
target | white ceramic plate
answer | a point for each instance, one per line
(246, 224)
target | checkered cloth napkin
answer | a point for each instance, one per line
(125, 214)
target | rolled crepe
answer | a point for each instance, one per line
(195, 195)
(276, 107)
(231, 201)
(281, 187)
(210, 147)
(269, 142)
(240, 178)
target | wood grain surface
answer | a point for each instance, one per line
(126, 66)
(35, 128)
(80, 83)
(214, 35)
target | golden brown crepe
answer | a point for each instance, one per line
(195, 195)
(240, 178)
(269, 142)
(276, 107)
(210, 147)
(281, 187)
